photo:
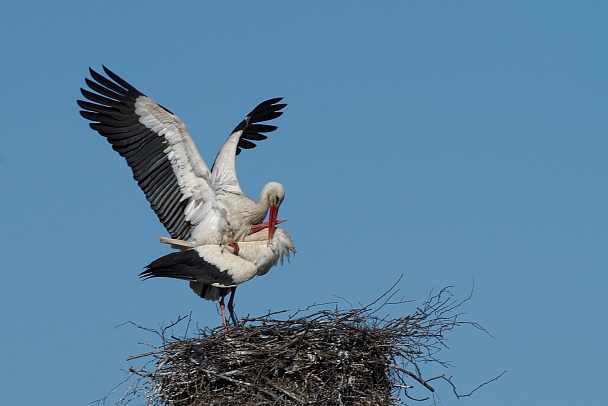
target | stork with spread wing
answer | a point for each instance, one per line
(192, 202)
(203, 210)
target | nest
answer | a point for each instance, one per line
(313, 357)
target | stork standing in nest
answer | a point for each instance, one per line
(196, 205)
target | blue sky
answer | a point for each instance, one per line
(446, 142)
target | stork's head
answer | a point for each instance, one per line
(273, 194)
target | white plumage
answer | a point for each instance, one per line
(193, 202)
(214, 270)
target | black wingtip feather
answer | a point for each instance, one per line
(186, 265)
(109, 105)
(252, 131)
(120, 80)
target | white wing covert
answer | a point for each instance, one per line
(160, 152)
(224, 178)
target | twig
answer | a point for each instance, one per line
(449, 380)
(417, 378)
(239, 382)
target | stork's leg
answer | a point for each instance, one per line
(223, 310)
(235, 247)
(261, 226)
(231, 305)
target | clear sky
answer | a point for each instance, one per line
(445, 142)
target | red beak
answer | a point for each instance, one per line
(272, 220)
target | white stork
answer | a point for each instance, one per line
(213, 270)
(192, 202)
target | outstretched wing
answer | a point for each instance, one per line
(158, 148)
(242, 137)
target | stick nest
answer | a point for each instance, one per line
(320, 357)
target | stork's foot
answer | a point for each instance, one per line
(235, 247)
(264, 225)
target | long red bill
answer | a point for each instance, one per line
(272, 220)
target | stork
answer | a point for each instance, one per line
(191, 201)
(213, 270)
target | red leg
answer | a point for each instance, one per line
(261, 226)
(231, 305)
(223, 310)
